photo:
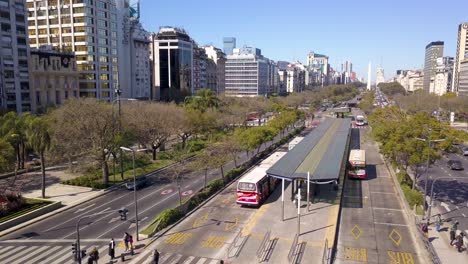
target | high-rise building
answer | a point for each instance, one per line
(53, 78)
(88, 28)
(434, 50)
(462, 54)
(317, 69)
(295, 82)
(14, 80)
(229, 44)
(199, 69)
(463, 78)
(443, 76)
(133, 46)
(380, 75)
(172, 59)
(246, 73)
(217, 57)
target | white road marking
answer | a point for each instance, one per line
(65, 250)
(5, 249)
(92, 221)
(37, 257)
(55, 240)
(84, 208)
(391, 209)
(176, 259)
(22, 259)
(445, 206)
(384, 192)
(464, 215)
(12, 254)
(188, 260)
(214, 261)
(201, 261)
(164, 257)
(390, 224)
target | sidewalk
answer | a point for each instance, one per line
(441, 243)
(67, 194)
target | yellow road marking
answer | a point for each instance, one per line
(230, 226)
(356, 254)
(214, 242)
(395, 237)
(200, 221)
(356, 232)
(178, 238)
(397, 257)
(255, 218)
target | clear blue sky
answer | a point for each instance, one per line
(392, 31)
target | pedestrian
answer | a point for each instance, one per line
(95, 255)
(155, 257)
(438, 222)
(459, 242)
(130, 241)
(425, 229)
(112, 248)
(453, 231)
(125, 239)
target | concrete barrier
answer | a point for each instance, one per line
(28, 216)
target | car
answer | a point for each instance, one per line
(454, 165)
(141, 182)
(465, 151)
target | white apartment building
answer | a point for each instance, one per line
(441, 83)
(133, 46)
(461, 57)
(463, 77)
(295, 78)
(88, 28)
(14, 80)
(246, 73)
(218, 57)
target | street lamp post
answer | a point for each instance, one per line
(427, 165)
(432, 192)
(134, 186)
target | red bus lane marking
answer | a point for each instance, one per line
(189, 192)
(168, 191)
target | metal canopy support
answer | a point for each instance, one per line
(282, 199)
(298, 211)
(308, 190)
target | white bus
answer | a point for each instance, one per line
(255, 186)
(357, 164)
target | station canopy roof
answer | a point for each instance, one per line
(322, 153)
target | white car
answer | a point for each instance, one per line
(465, 151)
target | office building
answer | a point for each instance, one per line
(89, 29)
(14, 81)
(246, 73)
(171, 53)
(434, 50)
(317, 72)
(218, 58)
(229, 44)
(461, 57)
(295, 77)
(463, 78)
(133, 53)
(443, 76)
(54, 78)
(199, 69)
(380, 75)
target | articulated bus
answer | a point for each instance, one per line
(357, 163)
(255, 186)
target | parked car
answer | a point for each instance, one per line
(465, 151)
(141, 182)
(454, 165)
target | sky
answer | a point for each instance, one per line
(393, 33)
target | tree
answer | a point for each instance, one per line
(6, 155)
(39, 140)
(92, 125)
(12, 129)
(204, 100)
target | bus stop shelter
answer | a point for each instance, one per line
(320, 158)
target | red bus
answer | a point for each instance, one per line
(357, 163)
(255, 186)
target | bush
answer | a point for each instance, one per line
(404, 178)
(10, 202)
(412, 196)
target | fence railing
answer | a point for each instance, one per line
(430, 248)
(234, 242)
(326, 253)
(261, 249)
(292, 250)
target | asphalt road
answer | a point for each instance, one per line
(52, 232)
(373, 227)
(451, 194)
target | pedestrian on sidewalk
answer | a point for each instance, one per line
(155, 257)
(95, 255)
(130, 241)
(425, 229)
(438, 222)
(125, 240)
(453, 231)
(112, 248)
(459, 242)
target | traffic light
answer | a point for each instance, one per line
(83, 254)
(75, 250)
(123, 214)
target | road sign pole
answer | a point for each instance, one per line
(282, 199)
(308, 190)
(298, 211)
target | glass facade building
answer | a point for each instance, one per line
(229, 44)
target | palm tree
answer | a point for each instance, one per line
(39, 140)
(204, 100)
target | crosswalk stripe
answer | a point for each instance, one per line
(188, 260)
(38, 257)
(176, 259)
(201, 261)
(88, 251)
(5, 249)
(59, 253)
(28, 253)
(62, 259)
(214, 261)
(164, 257)
(12, 254)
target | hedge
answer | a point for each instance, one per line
(413, 197)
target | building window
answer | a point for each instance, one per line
(103, 50)
(90, 58)
(101, 14)
(102, 23)
(69, 30)
(103, 59)
(102, 32)
(101, 5)
(53, 21)
(104, 77)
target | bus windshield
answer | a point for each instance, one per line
(246, 186)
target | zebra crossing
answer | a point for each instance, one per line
(176, 258)
(53, 254)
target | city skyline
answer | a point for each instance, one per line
(372, 31)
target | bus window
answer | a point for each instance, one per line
(246, 187)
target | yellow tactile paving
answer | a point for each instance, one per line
(178, 238)
(356, 254)
(214, 242)
(397, 257)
